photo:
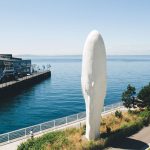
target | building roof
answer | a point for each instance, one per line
(1, 58)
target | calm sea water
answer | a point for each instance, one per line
(61, 94)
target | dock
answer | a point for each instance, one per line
(13, 87)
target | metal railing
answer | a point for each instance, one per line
(49, 126)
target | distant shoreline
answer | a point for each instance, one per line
(30, 55)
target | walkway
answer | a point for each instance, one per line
(138, 141)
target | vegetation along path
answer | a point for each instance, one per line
(115, 128)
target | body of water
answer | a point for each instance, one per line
(61, 94)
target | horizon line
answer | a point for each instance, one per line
(46, 55)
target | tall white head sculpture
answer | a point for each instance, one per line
(93, 81)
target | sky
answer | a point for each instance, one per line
(60, 27)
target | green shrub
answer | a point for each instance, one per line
(144, 95)
(145, 116)
(127, 119)
(83, 130)
(145, 113)
(108, 129)
(58, 139)
(118, 114)
(130, 111)
(133, 112)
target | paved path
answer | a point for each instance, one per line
(138, 141)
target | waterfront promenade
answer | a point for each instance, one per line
(12, 139)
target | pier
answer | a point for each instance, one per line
(12, 87)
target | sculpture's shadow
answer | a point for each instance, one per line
(130, 144)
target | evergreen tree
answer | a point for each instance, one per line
(144, 96)
(128, 96)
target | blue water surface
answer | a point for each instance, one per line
(61, 94)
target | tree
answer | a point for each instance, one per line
(128, 96)
(144, 95)
(48, 67)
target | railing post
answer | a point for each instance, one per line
(77, 116)
(25, 132)
(40, 128)
(54, 125)
(66, 121)
(8, 138)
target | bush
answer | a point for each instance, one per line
(133, 112)
(145, 113)
(58, 139)
(108, 129)
(145, 116)
(127, 119)
(144, 95)
(83, 130)
(118, 114)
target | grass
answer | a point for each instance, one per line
(112, 128)
(70, 138)
(115, 123)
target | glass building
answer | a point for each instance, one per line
(12, 68)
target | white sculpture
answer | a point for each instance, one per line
(93, 81)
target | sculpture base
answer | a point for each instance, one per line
(84, 138)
